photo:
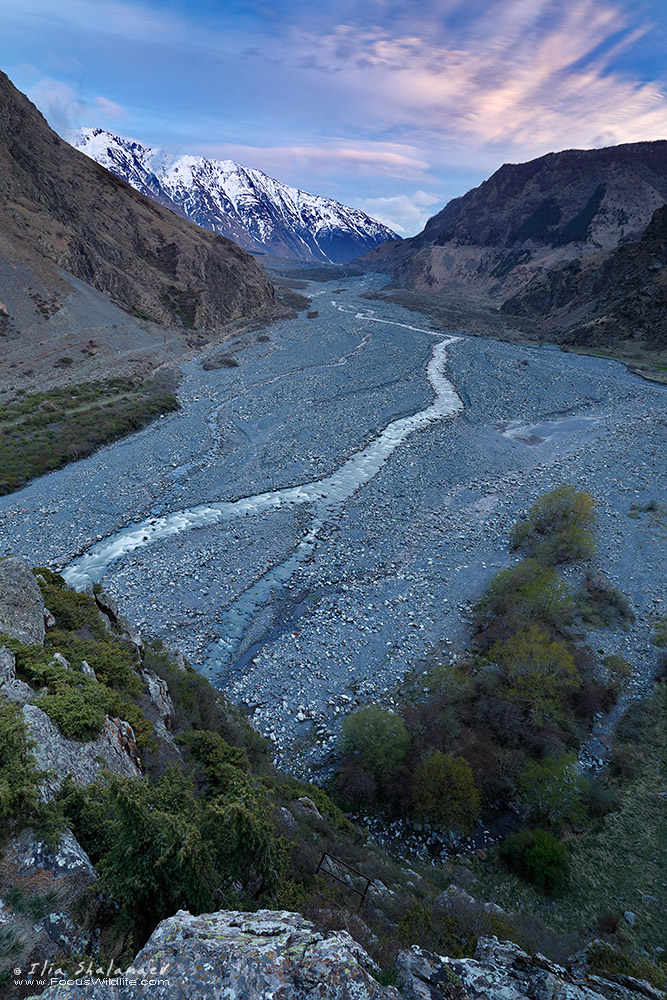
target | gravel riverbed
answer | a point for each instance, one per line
(350, 605)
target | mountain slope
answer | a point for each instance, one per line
(529, 217)
(60, 212)
(259, 213)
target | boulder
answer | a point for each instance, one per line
(265, 955)
(107, 605)
(114, 750)
(21, 602)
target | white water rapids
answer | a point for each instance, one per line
(324, 494)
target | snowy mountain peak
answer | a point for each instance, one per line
(260, 213)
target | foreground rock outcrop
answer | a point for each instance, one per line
(282, 956)
(500, 970)
(243, 956)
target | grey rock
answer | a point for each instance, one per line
(21, 602)
(11, 688)
(88, 670)
(114, 750)
(60, 660)
(306, 805)
(30, 865)
(7, 665)
(158, 692)
(49, 620)
(244, 956)
(107, 606)
(629, 917)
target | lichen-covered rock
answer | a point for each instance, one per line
(502, 971)
(113, 750)
(45, 883)
(243, 956)
(21, 602)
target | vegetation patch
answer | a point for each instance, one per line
(43, 431)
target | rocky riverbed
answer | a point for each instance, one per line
(303, 605)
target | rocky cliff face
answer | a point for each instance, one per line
(59, 210)
(529, 217)
(611, 297)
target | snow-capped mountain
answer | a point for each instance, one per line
(259, 213)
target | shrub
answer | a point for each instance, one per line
(19, 775)
(526, 594)
(557, 527)
(602, 605)
(158, 846)
(445, 793)
(379, 738)
(537, 671)
(618, 668)
(660, 633)
(538, 857)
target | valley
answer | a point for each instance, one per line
(311, 523)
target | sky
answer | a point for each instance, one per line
(388, 106)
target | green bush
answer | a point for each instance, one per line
(660, 633)
(379, 738)
(526, 594)
(444, 792)
(20, 777)
(618, 668)
(538, 857)
(557, 528)
(159, 846)
(602, 605)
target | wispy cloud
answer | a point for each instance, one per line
(64, 109)
(404, 213)
(530, 75)
(361, 159)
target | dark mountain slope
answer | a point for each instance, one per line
(58, 209)
(601, 300)
(529, 217)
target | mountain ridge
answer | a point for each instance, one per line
(261, 214)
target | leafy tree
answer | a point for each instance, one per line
(552, 790)
(557, 528)
(537, 670)
(379, 738)
(445, 793)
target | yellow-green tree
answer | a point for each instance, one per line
(444, 792)
(537, 670)
(557, 528)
